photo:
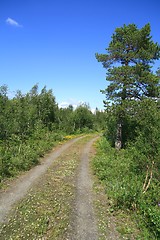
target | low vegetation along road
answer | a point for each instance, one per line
(54, 200)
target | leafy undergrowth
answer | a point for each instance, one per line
(18, 156)
(135, 215)
(112, 224)
(45, 212)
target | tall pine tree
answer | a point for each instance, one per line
(128, 60)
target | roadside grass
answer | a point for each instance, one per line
(17, 155)
(112, 224)
(119, 200)
(45, 212)
(20, 157)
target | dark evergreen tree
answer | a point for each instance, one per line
(128, 60)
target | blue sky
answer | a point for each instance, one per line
(53, 43)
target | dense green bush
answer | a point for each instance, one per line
(17, 155)
(123, 182)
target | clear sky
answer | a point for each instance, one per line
(53, 43)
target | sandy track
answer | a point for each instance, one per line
(20, 187)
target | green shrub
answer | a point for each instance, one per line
(20, 155)
(123, 174)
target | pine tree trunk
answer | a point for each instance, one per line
(118, 142)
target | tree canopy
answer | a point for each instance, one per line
(128, 60)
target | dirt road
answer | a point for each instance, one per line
(19, 188)
(82, 224)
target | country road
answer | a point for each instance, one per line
(82, 224)
(19, 188)
(85, 225)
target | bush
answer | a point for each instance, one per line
(19, 155)
(124, 184)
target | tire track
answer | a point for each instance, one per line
(84, 226)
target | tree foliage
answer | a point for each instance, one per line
(83, 117)
(129, 60)
(31, 123)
